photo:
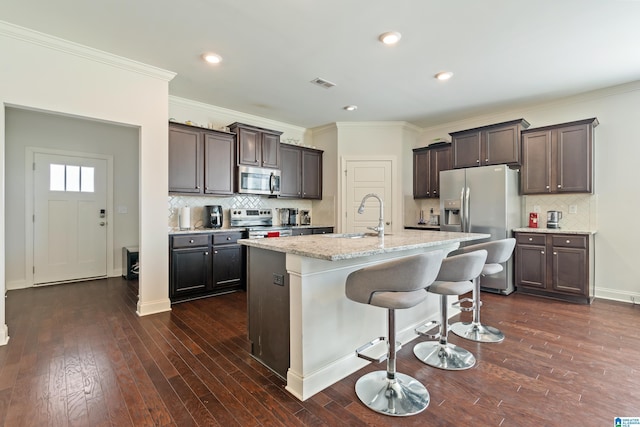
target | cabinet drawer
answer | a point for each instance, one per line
(190, 240)
(570, 241)
(226, 238)
(530, 239)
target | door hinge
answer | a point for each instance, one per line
(34, 218)
(345, 172)
(34, 269)
(34, 165)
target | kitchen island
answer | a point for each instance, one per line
(302, 326)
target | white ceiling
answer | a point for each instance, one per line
(503, 53)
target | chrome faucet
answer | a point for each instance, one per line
(380, 227)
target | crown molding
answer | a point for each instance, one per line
(51, 42)
(237, 115)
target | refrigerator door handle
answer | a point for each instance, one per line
(462, 210)
(467, 214)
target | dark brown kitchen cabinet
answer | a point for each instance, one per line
(205, 264)
(428, 162)
(558, 158)
(201, 161)
(555, 265)
(301, 172)
(228, 261)
(494, 144)
(257, 147)
(190, 268)
(185, 159)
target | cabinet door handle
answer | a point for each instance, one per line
(190, 240)
(228, 238)
(559, 186)
(542, 252)
(555, 253)
(530, 239)
(197, 187)
(568, 241)
(547, 187)
(478, 161)
(215, 252)
(486, 160)
(206, 253)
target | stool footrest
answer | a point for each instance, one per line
(427, 330)
(360, 350)
(464, 300)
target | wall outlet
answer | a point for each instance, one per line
(536, 208)
(278, 279)
(573, 209)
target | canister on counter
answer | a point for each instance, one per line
(533, 220)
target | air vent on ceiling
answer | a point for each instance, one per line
(323, 83)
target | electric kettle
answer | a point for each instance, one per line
(553, 217)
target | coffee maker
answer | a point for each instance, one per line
(553, 218)
(213, 216)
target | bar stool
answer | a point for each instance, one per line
(455, 278)
(392, 285)
(498, 251)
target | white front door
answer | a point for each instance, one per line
(364, 177)
(69, 224)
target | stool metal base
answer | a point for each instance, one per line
(477, 332)
(400, 397)
(444, 356)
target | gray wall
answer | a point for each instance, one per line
(25, 128)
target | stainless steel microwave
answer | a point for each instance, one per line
(258, 181)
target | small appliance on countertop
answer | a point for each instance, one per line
(553, 219)
(305, 218)
(213, 216)
(288, 216)
(259, 222)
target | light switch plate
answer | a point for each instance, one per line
(536, 208)
(122, 209)
(573, 209)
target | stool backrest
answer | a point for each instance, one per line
(498, 251)
(463, 267)
(403, 275)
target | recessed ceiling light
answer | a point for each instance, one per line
(390, 37)
(350, 107)
(444, 75)
(212, 58)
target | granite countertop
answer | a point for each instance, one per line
(326, 247)
(553, 231)
(176, 230)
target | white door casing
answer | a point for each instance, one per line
(361, 178)
(69, 238)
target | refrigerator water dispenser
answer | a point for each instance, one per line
(451, 212)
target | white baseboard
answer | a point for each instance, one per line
(153, 307)
(17, 284)
(617, 295)
(4, 335)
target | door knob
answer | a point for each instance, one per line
(102, 224)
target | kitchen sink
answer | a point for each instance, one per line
(347, 235)
(353, 235)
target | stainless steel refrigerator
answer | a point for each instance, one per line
(483, 200)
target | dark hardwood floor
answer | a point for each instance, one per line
(80, 356)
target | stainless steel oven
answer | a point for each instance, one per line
(259, 222)
(258, 180)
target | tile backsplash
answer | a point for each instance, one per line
(247, 201)
(585, 217)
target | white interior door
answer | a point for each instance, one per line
(69, 224)
(364, 177)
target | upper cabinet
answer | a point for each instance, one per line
(488, 145)
(558, 158)
(428, 162)
(257, 147)
(301, 172)
(201, 161)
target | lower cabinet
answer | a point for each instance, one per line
(555, 265)
(204, 264)
(268, 309)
